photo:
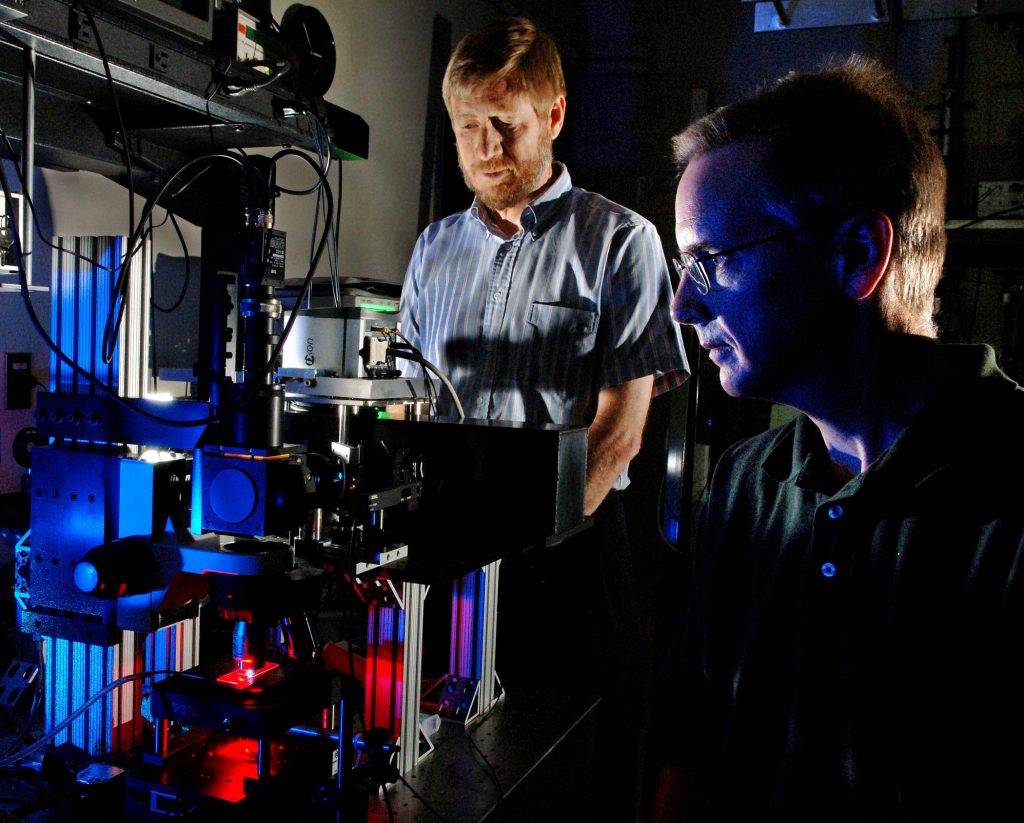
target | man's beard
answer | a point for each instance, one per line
(522, 181)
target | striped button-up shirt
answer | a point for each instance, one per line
(532, 327)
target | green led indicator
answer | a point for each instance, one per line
(375, 307)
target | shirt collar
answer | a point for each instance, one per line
(799, 454)
(541, 211)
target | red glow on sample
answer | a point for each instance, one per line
(245, 677)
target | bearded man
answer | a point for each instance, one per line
(546, 303)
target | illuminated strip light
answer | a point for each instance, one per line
(75, 671)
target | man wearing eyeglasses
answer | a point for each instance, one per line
(854, 643)
(546, 303)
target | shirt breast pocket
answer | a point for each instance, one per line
(562, 328)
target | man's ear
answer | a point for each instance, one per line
(556, 116)
(863, 247)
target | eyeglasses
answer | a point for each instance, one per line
(696, 268)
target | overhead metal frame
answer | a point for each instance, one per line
(787, 15)
(172, 109)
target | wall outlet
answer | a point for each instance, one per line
(80, 30)
(159, 58)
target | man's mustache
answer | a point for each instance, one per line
(491, 168)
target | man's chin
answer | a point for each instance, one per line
(733, 383)
(745, 385)
(497, 198)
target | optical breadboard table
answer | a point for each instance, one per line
(529, 758)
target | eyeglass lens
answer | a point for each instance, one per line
(689, 266)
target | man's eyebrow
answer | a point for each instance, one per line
(696, 238)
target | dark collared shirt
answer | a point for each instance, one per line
(856, 651)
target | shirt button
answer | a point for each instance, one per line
(828, 569)
(496, 296)
(835, 511)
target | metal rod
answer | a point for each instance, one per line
(310, 731)
(346, 729)
(781, 12)
(161, 736)
(263, 754)
(28, 157)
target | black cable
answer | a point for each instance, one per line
(324, 145)
(117, 108)
(280, 69)
(119, 292)
(494, 772)
(38, 326)
(118, 302)
(241, 157)
(985, 217)
(306, 283)
(310, 190)
(212, 89)
(188, 271)
(318, 189)
(11, 758)
(32, 210)
(490, 766)
(153, 226)
(21, 179)
(433, 398)
(319, 184)
(335, 242)
(315, 133)
(408, 352)
(387, 805)
(101, 267)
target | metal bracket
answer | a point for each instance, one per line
(15, 681)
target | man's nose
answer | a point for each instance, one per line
(687, 307)
(490, 142)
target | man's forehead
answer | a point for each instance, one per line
(724, 184)
(496, 93)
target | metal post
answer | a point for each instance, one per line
(160, 738)
(345, 715)
(412, 667)
(394, 665)
(488, 690)
(28, 157)
(263, 759)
